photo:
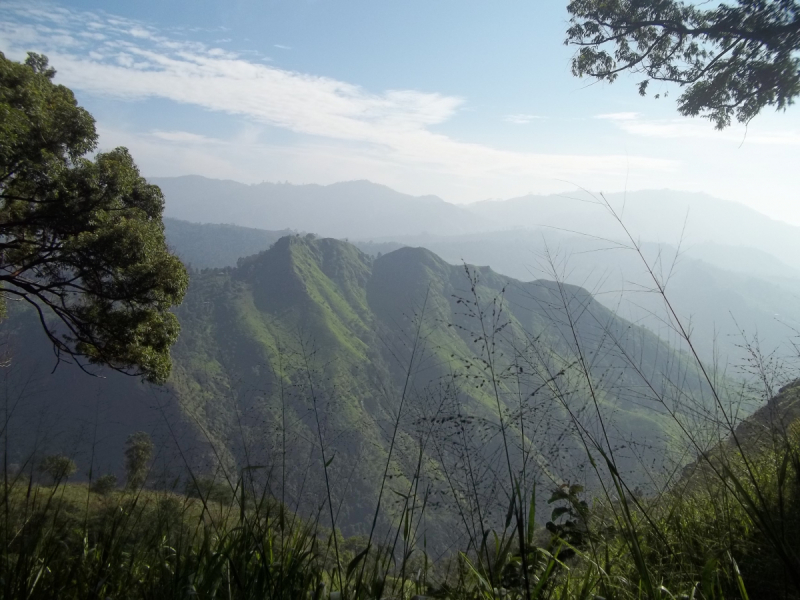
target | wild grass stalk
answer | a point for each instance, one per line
(325, 463)
(488, 333)
(416, 347)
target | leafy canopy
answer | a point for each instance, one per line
(58, 467)
(81, 240)
(733, 59)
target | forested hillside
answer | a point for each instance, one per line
(732, 296)
(313, 344)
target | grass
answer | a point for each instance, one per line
(66, 542)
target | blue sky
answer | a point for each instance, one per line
(466, 100)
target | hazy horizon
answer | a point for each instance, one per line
(464, 101)
(567, 194)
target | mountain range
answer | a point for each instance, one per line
(309, 359)
(314, 345)
(735, 299)
(354, 209)
(362, 210)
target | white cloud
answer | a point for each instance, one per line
(620, 116)
(184, 137)
(522, 119)
(132, 61)
(282, 47)
(633, 124)
(141, 33)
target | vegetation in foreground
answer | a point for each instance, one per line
(705, 538)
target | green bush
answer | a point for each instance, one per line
(105, 484)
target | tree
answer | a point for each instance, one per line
(105, 484)
(58, 467)
(81, 240)
(733, 59)
(138, 451)
(210, 490)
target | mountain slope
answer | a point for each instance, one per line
(313, 345)
(334, 330)
(717, 303)
(722, 291)
(738, 271)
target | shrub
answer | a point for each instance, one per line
(58, 467)
(105, 485)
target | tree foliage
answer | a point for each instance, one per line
(138, 452)
(58, 467)
(733, 59)
(105, 484)
(81, 239)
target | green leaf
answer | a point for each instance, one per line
(357, 559)
(707, 577)
(739, 580)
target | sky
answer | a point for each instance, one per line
(467, 100)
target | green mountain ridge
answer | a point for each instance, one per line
(727, 295)
(313, 344)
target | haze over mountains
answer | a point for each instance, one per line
(728, 270)
(205, 246)
(661, 216)
(364, 210)
(355, 209)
